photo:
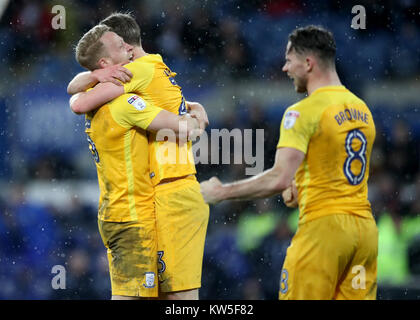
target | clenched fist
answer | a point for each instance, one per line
(211, 190)
(290, 196)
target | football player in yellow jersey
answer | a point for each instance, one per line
(181, 213)
(119, 144)
(325, 145)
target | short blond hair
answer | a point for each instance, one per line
(90, 48)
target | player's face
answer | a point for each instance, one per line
(295, 68)
(117, 50)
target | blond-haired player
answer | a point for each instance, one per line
(325, 145)
(181, 213)
(119, 144)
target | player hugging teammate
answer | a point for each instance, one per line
(152, 216)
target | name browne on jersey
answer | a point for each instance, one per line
(351, 114)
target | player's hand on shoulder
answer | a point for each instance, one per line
(211, 189)
(193, 128)
(290, 196)
(194, 134)
(114, 74)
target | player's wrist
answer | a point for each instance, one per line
(223, 192)
(95, 76)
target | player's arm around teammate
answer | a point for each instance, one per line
(86, 80)
(110, 50)
(108, 87)
(182, 126)
(117, 75)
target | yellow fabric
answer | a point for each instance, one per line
(132, 256)
(119, 144)
(332, 257)
(154, 82)
(132, 111)
(181, 219)
(335, 130)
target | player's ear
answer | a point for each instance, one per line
(310, 62)
(103, 63)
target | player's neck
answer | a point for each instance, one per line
(324, 79)
(139, 52)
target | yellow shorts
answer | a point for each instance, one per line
(181, 219)
(331, 257)
(132, 256)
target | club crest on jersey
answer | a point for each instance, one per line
(137, 102)
(150, 280)
(290, 119)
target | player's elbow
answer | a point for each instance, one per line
(76, 106)
(70, 89)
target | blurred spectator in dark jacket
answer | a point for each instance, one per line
(268, 258)
(402, 152)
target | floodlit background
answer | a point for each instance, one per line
(228, 55)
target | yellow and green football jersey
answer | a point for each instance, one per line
(335, 130)
(154, 82)
(119, 144)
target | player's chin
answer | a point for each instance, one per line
(300, 88)
(296, 85)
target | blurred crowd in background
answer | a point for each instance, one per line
(220, 38)
(209, 44)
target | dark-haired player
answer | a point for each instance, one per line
(325, 145)
(180, 210)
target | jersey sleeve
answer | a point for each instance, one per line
(129, 110)
(296, 129)
(142, 76)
